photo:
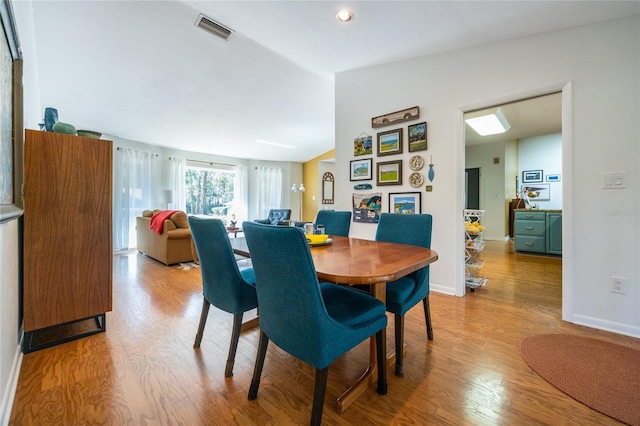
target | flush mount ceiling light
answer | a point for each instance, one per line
(275, 144)
(489, 124)
(344, 15)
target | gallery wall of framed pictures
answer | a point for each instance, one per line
(385, 153)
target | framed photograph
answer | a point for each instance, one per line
(362, 145)
(361, 169)
(531, 176)
(405, 202)
(389, 173)
(412, 113)
(417, 134)
(553, 178)
(538, 192)
(390, 142)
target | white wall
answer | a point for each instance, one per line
(597, 68)
(543, 153)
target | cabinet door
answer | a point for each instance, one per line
(67, 228)
(554, 233)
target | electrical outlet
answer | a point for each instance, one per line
(618, 284)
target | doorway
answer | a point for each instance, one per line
(498, 156)
(472, 188)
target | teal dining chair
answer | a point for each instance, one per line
(406, 292)
(315, 322)
(335, 222)
(224, 285)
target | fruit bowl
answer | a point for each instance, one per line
(317, 239)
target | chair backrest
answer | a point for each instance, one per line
(222, 282)
(335, 222)
(413, 229)
(276, 215)
(292, 311)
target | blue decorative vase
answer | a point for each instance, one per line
(50, 118)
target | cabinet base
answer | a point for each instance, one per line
(62, 333)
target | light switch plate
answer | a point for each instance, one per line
(614, 180)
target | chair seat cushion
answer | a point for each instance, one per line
(249, 276)
(404, 293)
(351, 307)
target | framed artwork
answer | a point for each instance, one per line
(390, 142)
(553, 178)
(531, 176)
(389, 173)
(417, 134)
(366, 207)
(405, 202)
(538, 192)
(396, 117)
(361, 169)
(362, 145)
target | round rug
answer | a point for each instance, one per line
(601, 375)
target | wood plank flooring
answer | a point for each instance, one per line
(144, 370)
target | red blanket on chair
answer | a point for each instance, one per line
(157, 220)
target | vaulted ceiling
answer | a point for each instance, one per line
(142, 70)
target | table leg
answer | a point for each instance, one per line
(379, 291)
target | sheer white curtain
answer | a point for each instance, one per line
(241, 194)
(269, 190)
(132, 183)
(177, 182)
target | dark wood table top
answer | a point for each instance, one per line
(358, 261)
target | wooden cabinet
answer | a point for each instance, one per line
(554, 233)
(538, 232)
(67, 236)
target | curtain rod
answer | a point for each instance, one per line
(150, 153)
(211, 163)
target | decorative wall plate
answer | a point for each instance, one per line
(416, 179)
(416, 162)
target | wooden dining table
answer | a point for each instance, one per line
(355, 261)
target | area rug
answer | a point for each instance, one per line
(601, 375)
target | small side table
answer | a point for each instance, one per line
(234, 230)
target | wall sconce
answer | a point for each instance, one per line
(301, 190)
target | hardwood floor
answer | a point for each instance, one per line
(144, 369)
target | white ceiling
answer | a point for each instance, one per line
(142, 70)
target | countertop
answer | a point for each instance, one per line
(539, 210)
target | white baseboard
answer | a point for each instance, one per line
(10, 390)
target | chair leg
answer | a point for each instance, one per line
(427, 317)
(235, 336)
(257, 371)
(319, 390)
(399, 330)
(203, 321)
(381, 353)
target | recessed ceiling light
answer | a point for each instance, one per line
(344, 15)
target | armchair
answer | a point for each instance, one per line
(314, 322)
(275, 217)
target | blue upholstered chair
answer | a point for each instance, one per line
(403, 294)
(335, 222)
(276, 217)
(314, 322)
(224, 285)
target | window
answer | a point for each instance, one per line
(209, 191)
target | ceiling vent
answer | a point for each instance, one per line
(213, 27)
